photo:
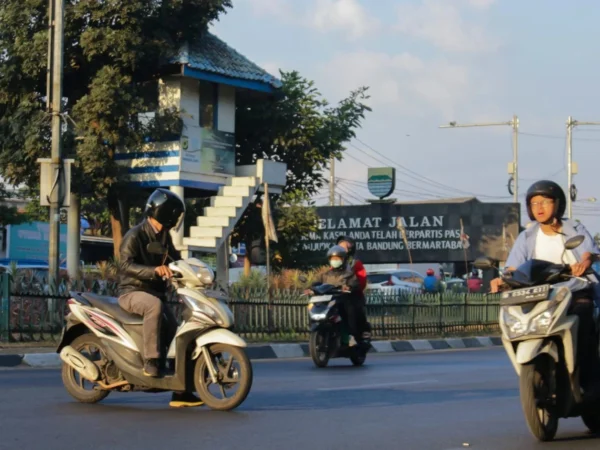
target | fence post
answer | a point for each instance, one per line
(466, 316)
(5, 307)
(441, 314)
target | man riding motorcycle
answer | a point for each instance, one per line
(545, 240)
(340, 275)
(359, 270)
(143, 278)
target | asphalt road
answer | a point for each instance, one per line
(428, 401)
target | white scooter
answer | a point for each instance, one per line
(540, 338)
(101, 345)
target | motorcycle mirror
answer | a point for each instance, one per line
(233, 258)
(484, 263)
(303, 278)
(156, 248)
(574, 242)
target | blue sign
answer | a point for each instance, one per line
(30, 241)
(381, 181)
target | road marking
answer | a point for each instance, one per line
(377, 386)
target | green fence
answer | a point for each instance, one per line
(38, 314)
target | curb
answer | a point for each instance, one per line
(281, 351)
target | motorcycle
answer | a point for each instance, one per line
(101, 344)
(540, 338)
(329, 336)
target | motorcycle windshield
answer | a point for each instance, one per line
(534, 272)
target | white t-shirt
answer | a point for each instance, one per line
(550, 248)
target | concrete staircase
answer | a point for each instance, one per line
(230, 203)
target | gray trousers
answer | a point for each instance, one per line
(151, 308)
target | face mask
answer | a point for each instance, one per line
(335, 263)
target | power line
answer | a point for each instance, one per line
(415, 175)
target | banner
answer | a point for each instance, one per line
(432, 231)
(267, 218)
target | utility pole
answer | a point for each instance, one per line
(332, 182)
(56, 14)
(571, 166)
(513, 167)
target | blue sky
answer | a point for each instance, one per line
(429, 62)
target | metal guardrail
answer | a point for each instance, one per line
(37, 314)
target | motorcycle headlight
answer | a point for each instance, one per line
(514, 326)
(204, 309)
(541, 323)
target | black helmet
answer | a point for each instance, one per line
(166, 208)
(548, 189)
(337, 250)
(351, 244)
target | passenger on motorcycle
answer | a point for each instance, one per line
(341, 276)
(143, 278)
(361, 274)
(545, 240)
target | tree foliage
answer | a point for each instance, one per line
(115, 50)
(9, 215)
(297, 127)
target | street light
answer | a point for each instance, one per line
(513, 168)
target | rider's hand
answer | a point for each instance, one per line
(308, 292)
(163, 272)
(345, 289)
(495, 285)
(579, 268)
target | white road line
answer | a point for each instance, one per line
(377, 386)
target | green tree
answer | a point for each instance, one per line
(9, 215)
(115, 50)
(298, 127)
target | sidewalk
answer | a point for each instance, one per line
(12, 355)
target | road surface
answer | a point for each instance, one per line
(428, 401)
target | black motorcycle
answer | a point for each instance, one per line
(329, 336)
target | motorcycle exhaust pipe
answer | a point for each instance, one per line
(86, 368)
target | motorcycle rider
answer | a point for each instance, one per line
(361, 274)
(545, 240)
(143, 278)
(340, 275)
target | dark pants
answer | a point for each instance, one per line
(153, 310)
(587, 344)
(353, 313)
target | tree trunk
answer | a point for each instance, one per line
(247, 261)
(119, 219)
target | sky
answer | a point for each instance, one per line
(429, 62)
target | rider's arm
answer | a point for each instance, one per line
(518, 253)
(128, 254)
(361, 274)
(351, 280)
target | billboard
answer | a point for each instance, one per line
(434, 232)
(30, 241)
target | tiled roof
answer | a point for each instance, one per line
(213, 55)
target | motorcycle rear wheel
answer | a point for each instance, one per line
(535, 380)
(591, 420)
(89, 345)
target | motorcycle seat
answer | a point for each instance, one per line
(110, 305)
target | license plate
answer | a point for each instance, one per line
(526, 295)
(321, 298)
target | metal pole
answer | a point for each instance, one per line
(515, 127)
(57, 73)
(570, 125)
(332, 182)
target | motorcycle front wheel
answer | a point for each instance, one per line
(234, 377)
(318, 340)
(537, 385)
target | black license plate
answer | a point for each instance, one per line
(525, 295)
